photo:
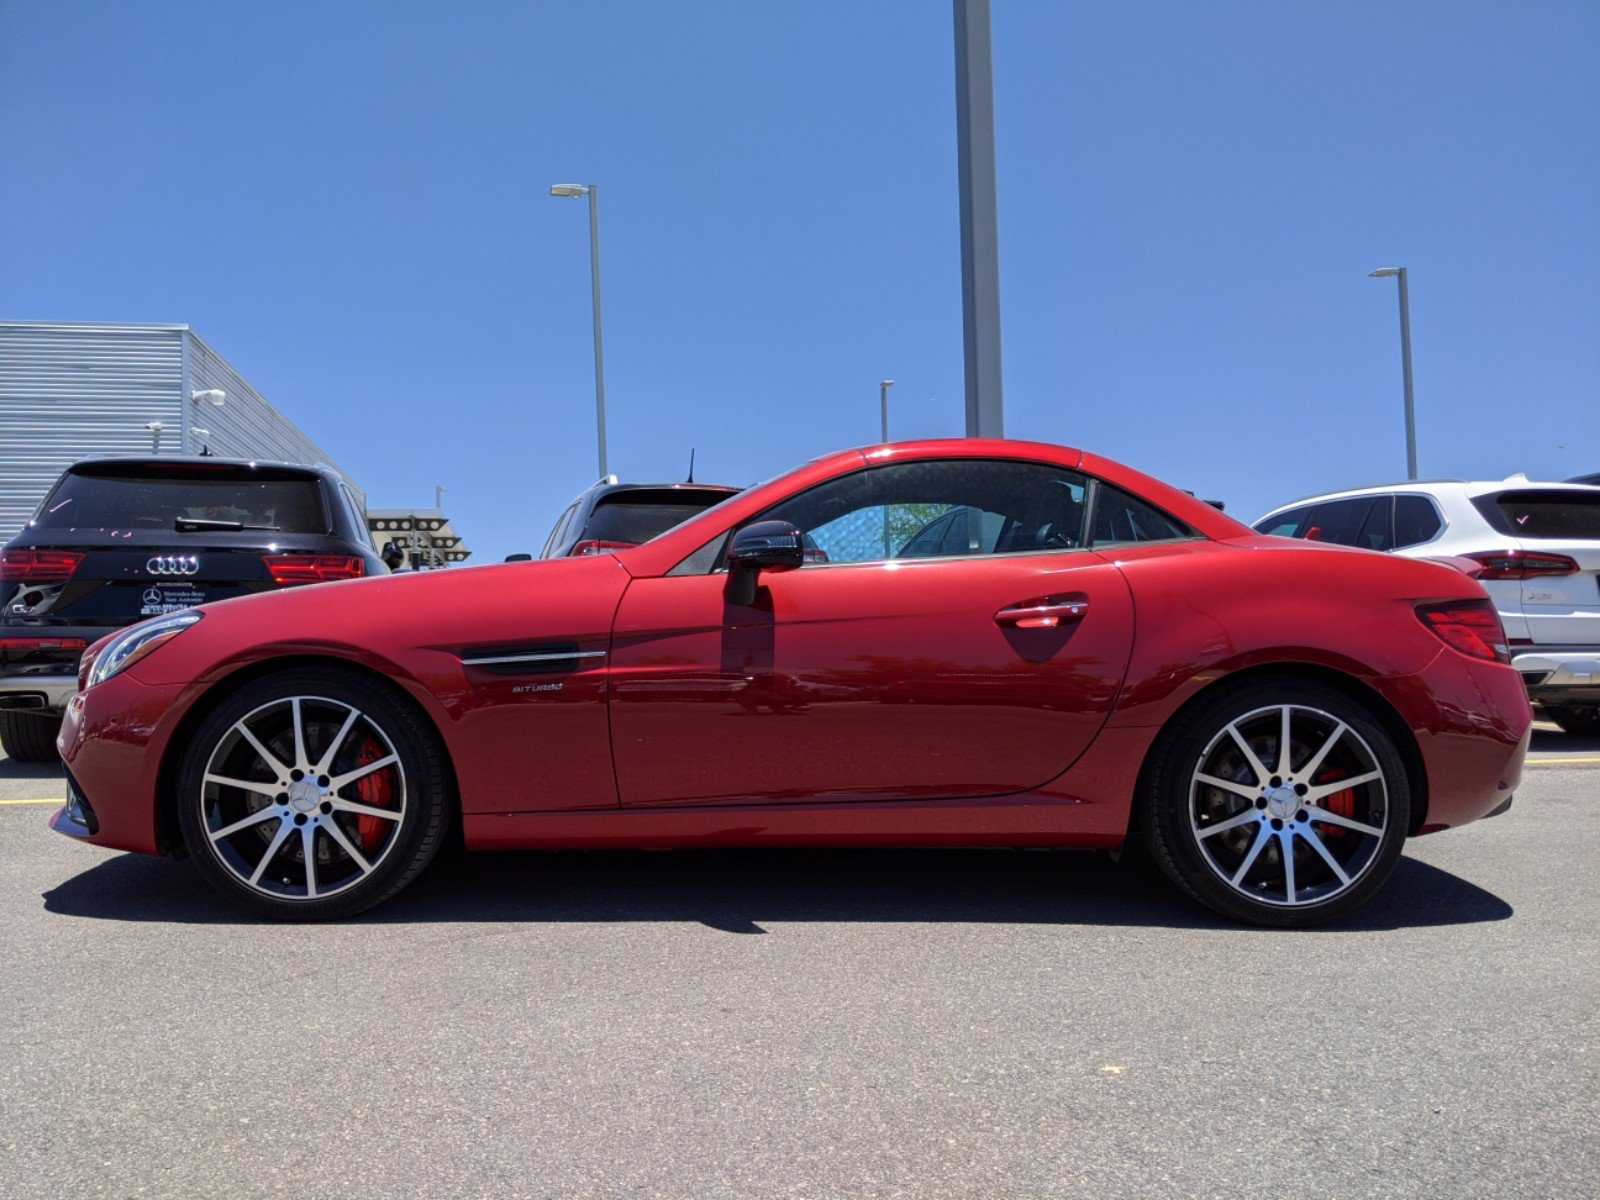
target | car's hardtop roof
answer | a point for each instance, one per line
(1469, 489)
(192, 465)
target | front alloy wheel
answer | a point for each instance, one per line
(1286, 812)
(312, 794)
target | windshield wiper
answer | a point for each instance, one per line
(201, 524)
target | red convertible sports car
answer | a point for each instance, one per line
(952, 643)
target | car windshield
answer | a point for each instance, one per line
(227, 499)
(1542, 514)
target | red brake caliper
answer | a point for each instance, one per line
(375, 791)
(1343, 803)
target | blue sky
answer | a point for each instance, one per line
(349, 201)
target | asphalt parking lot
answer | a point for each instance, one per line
(808, 1024)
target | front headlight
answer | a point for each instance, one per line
(133, 643)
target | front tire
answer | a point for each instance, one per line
(313, 794)
(29, 737)
(1280, 802)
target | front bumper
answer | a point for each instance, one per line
(112, 740)
(38, 693)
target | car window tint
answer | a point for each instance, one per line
(154, 498)
(1542, 514)
(557, 534)
(878, 513)
(1285, 524)
(1415, 521)
(1374, 533)
(635, 518)
(1120, 517)
(1338, 521)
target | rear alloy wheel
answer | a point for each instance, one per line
(1580, 720)
(311, 795)
(28, 736)
(1281, 802)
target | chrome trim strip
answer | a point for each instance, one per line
(517, 658)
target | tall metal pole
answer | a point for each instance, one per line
(1405, 365)
(599, 337)
(883, 404)
(980, 238)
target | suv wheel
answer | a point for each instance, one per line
(29, 736)
(1279, 802)
(313, 794)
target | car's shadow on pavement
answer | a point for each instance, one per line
(10, 768)
(1547, 742)
(736, 891)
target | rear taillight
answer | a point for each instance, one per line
(287, 570)
(38, 566)
(1521, 564)
(598, 547)
(1470, 626)
(22, 645)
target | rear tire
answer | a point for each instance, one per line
(1580, 720)
(1270, 837)
(28, 736)
(313, 794)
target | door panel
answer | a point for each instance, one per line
(874, 681)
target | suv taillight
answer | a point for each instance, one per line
(38, 566)
(1521, 564)
(598, 547)
(287, 570)
(1470, 626)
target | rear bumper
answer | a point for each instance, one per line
(39, 693)
(1472, 722)
(1560, 672)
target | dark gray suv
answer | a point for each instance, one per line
(121, 539)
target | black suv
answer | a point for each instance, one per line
(613, 516)
(121, 539)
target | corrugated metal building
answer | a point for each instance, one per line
(70, 391)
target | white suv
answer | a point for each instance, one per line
(1535, 547)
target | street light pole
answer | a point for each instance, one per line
(980, 237)
(1405, 363)
(593, 192)
(883, 405)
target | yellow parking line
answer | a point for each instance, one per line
(1556, 762)
(47, 800)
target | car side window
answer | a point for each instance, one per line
(555, 537)
(930, 541)
(1338, 521)
(999, 507)
(1285, 524)
(1120, 517)
(1376, 532)
(1416, 520)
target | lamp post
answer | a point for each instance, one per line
(593, 192)
(883, 405)
(1405, 362)
(980, 237)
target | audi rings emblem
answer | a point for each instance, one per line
(174, 564)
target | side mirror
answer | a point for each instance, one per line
(764, 546)
(392, 556)
(519, 558)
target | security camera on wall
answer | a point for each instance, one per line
(217, 396)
